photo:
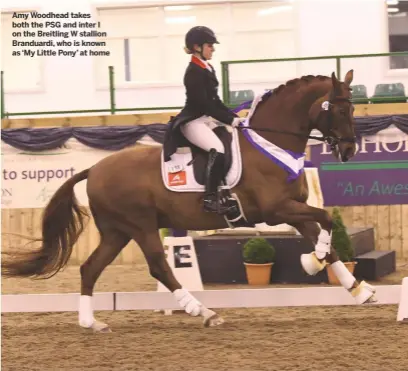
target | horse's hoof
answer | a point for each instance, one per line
(100, 327)
(371, 299)
(213, 321)
(364, 293)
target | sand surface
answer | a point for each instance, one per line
(325, 338)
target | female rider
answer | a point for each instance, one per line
(202, 107)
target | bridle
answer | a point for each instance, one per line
(331, 139)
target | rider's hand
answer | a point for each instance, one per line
(238, 121)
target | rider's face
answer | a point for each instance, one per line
(208, 50)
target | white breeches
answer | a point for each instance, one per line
(199, 132)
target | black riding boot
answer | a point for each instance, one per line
(214, 176)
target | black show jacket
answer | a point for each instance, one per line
(201, 100)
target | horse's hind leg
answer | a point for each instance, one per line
(304, 217)
(159, 268)
(111, 244)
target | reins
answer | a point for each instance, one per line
(330, 140)
(281, 132)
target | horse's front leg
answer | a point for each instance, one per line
(304, 217)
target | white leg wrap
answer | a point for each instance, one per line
(188, 302)
(310, 262)
(343, 274)
(86, 317)
(322, 247)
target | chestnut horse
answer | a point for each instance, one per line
(128, 200)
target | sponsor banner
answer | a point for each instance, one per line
(376, 175)
(29, 179)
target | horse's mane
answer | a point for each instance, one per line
(296, 83)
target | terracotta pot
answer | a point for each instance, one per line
(333, 278)
(258, 274)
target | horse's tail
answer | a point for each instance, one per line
(63, 222)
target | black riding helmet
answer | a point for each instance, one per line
(199, 35)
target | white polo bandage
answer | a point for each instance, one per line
(323, 245)
(343, 274)
(188, 302)
(86, 316)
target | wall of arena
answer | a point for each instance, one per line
(390, 225)
(390, 222)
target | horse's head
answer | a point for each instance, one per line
(335, 118)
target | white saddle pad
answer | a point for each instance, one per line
(179, 177)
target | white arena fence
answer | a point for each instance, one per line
(246, 298)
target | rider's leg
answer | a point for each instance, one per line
(214, 177)
(200, 134)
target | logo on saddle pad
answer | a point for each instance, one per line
(177, 179)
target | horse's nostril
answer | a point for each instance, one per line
(347, 154)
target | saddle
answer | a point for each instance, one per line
(185, 170)
(200, 157)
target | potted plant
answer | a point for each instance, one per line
(341, 242)
(259, 256)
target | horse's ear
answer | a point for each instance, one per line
(349, 77)
(335, 82)
(336, 86)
